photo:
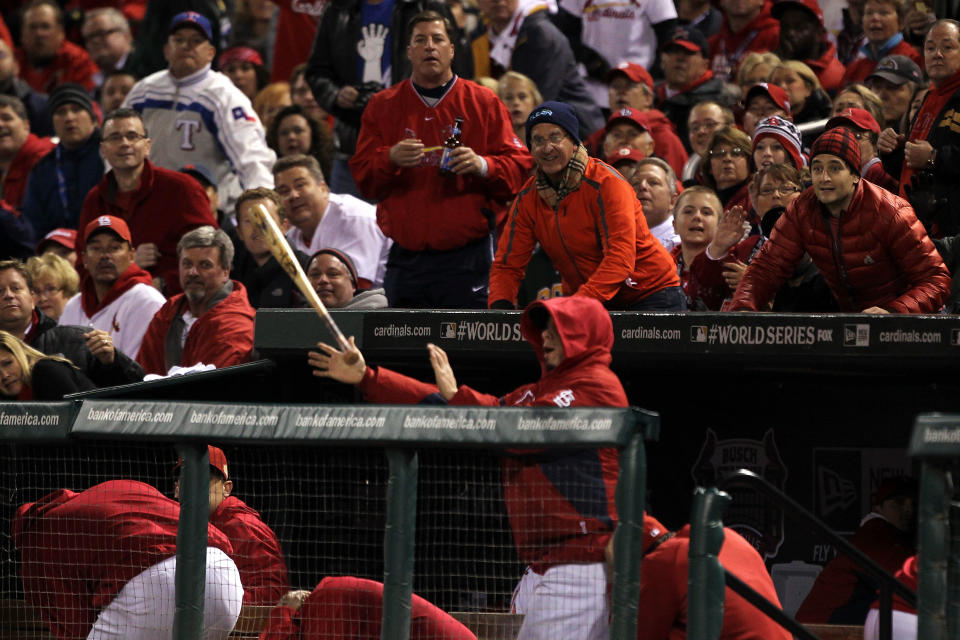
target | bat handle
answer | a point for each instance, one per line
(350, 356)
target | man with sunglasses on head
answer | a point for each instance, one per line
(158, 205)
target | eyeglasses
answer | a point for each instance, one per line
(48, 290)
(554, 139)
(709, 125)
(736, 152)
(101, 35)
(783, 190)
(129, 136)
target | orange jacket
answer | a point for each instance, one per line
(597, 239)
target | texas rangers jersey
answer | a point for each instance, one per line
(204, 119)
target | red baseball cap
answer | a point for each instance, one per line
(860, 118)
(64, 237)
(628, 115)
(776, 93)
(690, 39)
(239, 54)
(218, 461)
(112, 223)
(653, 533)
(634, 72)
(625, 153)
(811, 6)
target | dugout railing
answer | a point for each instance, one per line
(936, 444)
(708, 577)
(401, 431)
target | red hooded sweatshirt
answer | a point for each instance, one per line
(561, 504)
(88, 292)
(348, 607)
(78, 550)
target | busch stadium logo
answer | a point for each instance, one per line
(484, 331)
(748, 514)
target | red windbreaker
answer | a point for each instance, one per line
(552, 522)
(71, 63)
(662, 613)
(350, 608)
(256, 552)
(15, 180)
(223, 336)
(78, 550)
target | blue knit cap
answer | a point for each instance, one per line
(558, 113)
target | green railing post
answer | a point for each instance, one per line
(628, 538)
(190, 579)
(398, 544)
(933, 548)
(706, 582)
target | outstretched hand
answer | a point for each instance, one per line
(729, 232)
(294, 599)
(332, 363)
(446, 381)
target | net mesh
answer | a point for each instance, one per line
(326, 506)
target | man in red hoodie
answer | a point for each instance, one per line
(747, 27)
(348, 607)
(20, 150)
(803, 37)
(211, 322)
(256, 550)
(88, 560)
(116, 296)
(560, 504)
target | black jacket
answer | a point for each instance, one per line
(268, 286)
(677, 108)
(67, 341)
(333, 61)
(543, 54)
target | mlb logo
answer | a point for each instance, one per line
(955, 337)
(856, 335)
(448, 330)
(103, 221)
(698, 333)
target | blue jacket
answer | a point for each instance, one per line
(82, 170)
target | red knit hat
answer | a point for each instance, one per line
(839, 142)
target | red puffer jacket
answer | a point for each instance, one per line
(876, 254)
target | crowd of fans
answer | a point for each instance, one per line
(445, 155)
(687, 155)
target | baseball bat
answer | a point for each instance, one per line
(288, 260)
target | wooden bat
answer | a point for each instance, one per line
(287, 259)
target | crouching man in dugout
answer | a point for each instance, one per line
(560, 504)
(100, 564)
(347, 607)
(256, 550)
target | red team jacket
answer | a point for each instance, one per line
(348, 608)
(15, 180)
(702, 281)
(165, 206)
(419, 208)
(223, 336)
(662, 613)
(553, 521)
(256, 552)
(78, 550)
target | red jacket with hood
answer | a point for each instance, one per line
(347, 607)
(78, 550)
(223, 336)
(877, 254)
(828, 68)
(662, 614)
(256, 552)
(552, 523)
(666, 144)
(166, 205)
(15, 180)
(728, 49)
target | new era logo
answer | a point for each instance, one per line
(856, 335)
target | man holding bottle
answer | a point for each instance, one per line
(441, 222)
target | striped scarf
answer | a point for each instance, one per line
(569, 179)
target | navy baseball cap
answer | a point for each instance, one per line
(193, 20)
(200, 172)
